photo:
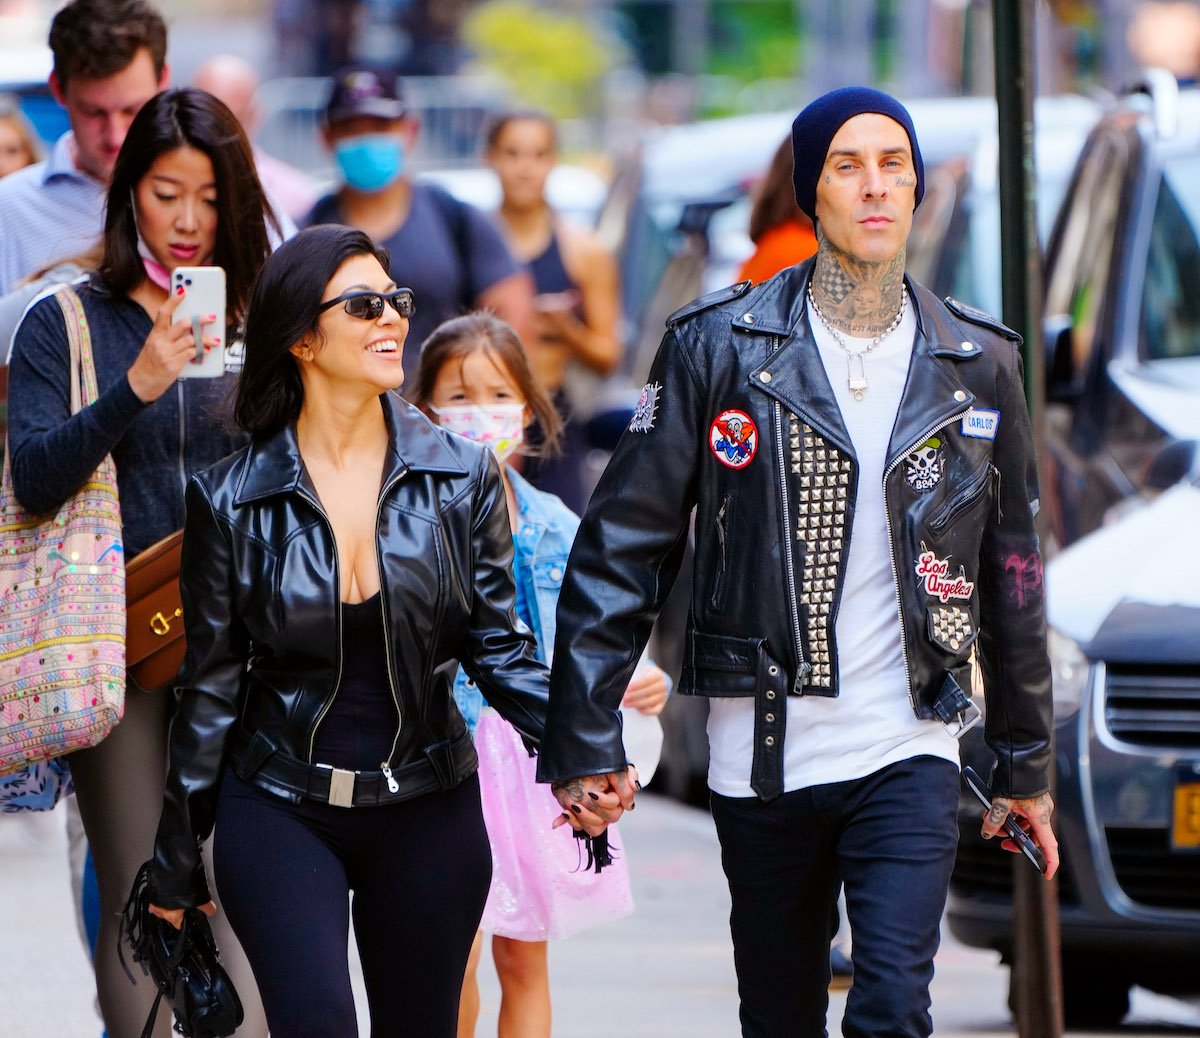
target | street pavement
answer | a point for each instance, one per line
(664, 972)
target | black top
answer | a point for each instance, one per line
(358, 731)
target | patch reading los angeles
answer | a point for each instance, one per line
(981, 423)
(938, 582)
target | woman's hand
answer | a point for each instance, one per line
(167, 349)
(174, 916)
(593, 802)
(647, 692)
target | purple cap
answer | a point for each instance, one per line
(361, 90)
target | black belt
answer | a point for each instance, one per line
(256, 759)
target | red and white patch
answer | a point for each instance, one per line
(938, 582)
(733, 439)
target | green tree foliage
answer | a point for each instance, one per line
(553, 57)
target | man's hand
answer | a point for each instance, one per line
(1033, 817)
(593, 802)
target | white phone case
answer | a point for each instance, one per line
(204, 289)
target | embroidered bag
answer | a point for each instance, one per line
(62, 601)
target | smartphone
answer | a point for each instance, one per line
(204, 294)
(547, 302)
(1011, 826)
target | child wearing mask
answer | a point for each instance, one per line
(474, 379)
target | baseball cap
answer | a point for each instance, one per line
(361, 90)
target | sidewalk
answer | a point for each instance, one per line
(665, 972)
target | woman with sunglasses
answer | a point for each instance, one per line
(334, 574)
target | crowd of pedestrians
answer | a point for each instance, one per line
(409, 661)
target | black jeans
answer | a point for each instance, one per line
(890, 838)
(419, 871)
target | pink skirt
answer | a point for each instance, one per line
(541, 889)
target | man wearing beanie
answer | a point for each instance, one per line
(859, 459)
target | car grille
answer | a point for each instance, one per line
(983, 871)
(1154, 706)
(1150, 872)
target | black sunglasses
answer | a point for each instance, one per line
(368, 306)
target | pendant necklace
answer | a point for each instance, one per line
(856, 371)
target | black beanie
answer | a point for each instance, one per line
(816, 126)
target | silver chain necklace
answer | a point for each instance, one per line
(858, 381)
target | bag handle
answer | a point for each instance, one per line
(84, 388)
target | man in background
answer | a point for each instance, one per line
(449, 253)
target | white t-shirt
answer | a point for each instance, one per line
(871, 723)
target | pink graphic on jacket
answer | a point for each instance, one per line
(935, 572)
(1025, 577)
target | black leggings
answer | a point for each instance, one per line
(419, 871)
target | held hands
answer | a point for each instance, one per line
(647, 692)
(174, 916)
(167, 349)
(1034, 817)
(593, 802)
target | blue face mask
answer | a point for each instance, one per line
(370, 162)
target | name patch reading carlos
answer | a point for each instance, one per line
(981, 423)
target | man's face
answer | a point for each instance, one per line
(101, 110)
(867, 188)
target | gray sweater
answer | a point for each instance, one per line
(156, 446)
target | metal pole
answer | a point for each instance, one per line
(1037, 967)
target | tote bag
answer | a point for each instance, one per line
(62, 601)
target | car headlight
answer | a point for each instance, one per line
(1069, 670)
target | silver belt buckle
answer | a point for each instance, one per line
(341, 786)
(965, 721)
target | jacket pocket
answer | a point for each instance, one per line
(970, 495)
(724, 524)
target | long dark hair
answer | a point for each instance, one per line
(191, 118)
(459, 337)
(775, 199)
(282, 310)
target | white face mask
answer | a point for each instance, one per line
(498, 426)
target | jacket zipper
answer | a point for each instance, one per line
(948, 513)
(337, 583)
(718, 591)
(887, 512)
(804, 669)
(386, 766)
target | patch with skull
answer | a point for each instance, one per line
(924, 466)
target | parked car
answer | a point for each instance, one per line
(1123, 378)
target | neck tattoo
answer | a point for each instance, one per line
(856, 370)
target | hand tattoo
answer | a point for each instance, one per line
(997, 814)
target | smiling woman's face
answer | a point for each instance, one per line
(176, 204)
(357, 351)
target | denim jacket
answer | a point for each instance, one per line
(545, 529)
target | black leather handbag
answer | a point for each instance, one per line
(184, 965)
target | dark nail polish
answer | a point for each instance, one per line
(593, 795)
(637, 783)
(632, 806)
(577, 809)
(566, 816)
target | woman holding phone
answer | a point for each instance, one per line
(184, 192)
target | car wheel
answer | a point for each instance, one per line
(1094, 997)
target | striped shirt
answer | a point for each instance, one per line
(49, 211)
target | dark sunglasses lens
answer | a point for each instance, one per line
(403, 303)
(367, 307)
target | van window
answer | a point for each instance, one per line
(1080, 279)
(1170, 316)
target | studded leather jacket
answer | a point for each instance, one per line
(260, 583)
(740, 424)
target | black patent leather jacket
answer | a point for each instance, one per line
(773, 495)
(260, 597)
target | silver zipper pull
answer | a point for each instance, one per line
(393, 785)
